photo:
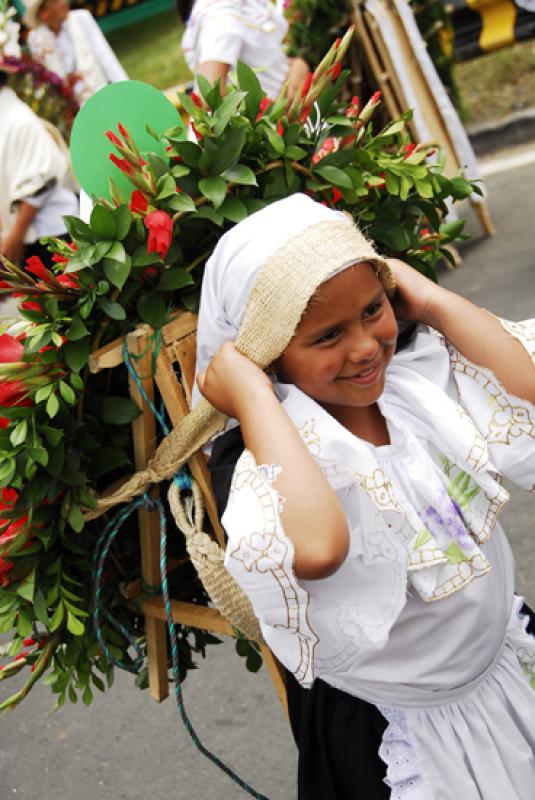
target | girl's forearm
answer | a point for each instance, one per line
(312, 515)
(480, 337)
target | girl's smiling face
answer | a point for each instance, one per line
(344, 343)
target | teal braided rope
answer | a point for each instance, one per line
(100, 555)
(184, 482)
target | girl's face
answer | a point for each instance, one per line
(344, 343)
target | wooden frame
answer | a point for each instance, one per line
(178, 347)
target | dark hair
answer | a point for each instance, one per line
(3, 78)
(183, 8)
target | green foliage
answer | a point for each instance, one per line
(66, 429)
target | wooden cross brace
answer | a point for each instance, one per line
(178, 347)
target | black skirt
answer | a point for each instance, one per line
(337, 735)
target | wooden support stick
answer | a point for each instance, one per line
(144, 434)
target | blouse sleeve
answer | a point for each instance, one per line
(506, 422)
(220, 38)
(260, 557)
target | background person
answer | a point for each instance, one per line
(221, 32)
(71, 44)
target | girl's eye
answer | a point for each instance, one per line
(329, 336)
(373, 309)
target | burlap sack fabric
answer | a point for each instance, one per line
(284, 286)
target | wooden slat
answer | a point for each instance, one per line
(144, 435)
(177, 408)
(210, 619)
(184, 351)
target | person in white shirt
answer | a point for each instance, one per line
(33, 197)
(70, 43)
(221, 32)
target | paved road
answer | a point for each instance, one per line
(126, 747)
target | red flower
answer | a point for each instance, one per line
(264, 105)
(138, 202)
(307, 84)
(280, 128)
(5, 567)
(57, 258)
(9, 497)
(36, 267)
(30, 306)
(12, 530)
(149, 273)
(353, 108)
(114, 139)
(304, 115)
(196, 99)
(160, 227)
(378, 185)
(5, 285)
(29, 642)
(336, 194)
(11, 349)
(408, 149)
(334, 71)
(337, 43)
(122, 130)
(70, 281)
(375, 98)
(123, 164)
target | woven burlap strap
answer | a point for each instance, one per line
(208, 559)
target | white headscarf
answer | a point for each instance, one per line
(232, 269)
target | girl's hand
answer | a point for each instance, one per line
(416, 296)
(232, 383)
(297, 74)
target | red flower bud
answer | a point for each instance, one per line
(375, 98)
(196, 99)
(336, 194)
(408, 149)
(307, 84)
(29, 642)
(122, 130)
(114, 139)
(57, 258)
(123, 164)
(264, 105)
(160, 227)
(70, 281)
(334, 71)
(138, 202)
(337, 43)
(30, 306)
(280, 128)
(304, 115)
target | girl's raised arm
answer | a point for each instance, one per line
(472, 330)
(312, 515)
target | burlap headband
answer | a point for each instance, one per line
(282, 290)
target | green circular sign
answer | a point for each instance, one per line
(135, 105)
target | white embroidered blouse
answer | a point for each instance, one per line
(404, 619)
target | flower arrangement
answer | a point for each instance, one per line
(65, 433)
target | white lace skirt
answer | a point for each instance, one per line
(479, 746)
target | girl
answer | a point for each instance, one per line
(362, 514)
(219, 32)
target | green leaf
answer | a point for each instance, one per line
(112, 309)
(76, 329)
(276, 141)
(87, 696)
(295, 153)
(253, 661)
(40, 609)
(53, 435)
(43, 393)
(76, 353)
(74, 625)
(76, 519)
(175, 278)
(220, 155)
(180, 170)
(39, 455)
(27, 588)
(119, 410)
(123, 221)
(102, 222)
(424, 188)
(24, 624)
(205, 212)
(142, 258)
(189, 152)
(166, 187)
(152, 309)
(214, 189)
(67, 393)
(52, 406)
(241, 174)
(7, 471)
(118, 253)
(108, 459)
(452, 229)
(248, 82)
(78, 230)
(18, 435)
(232, 208)
(181, 202)
(117, 272)
(57, 617)
(228, 108)
(335, 176)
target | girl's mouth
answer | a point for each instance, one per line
(367, 376)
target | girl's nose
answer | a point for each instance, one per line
(362, 347)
